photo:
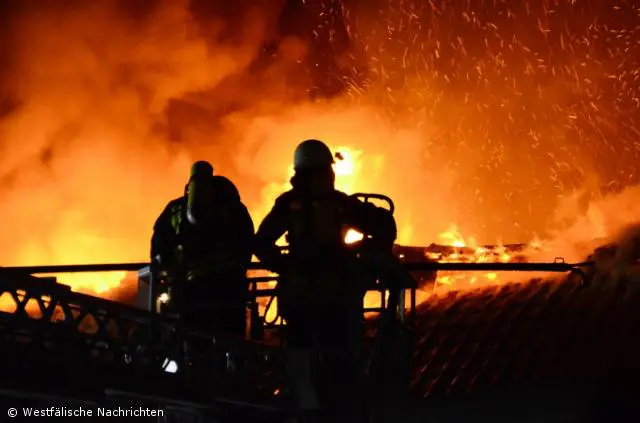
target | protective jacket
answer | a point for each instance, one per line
(319, 265)
(214, 257)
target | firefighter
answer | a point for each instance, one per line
(322, 283)
(202, 246)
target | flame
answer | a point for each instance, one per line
(454, 97)
(98, 282)
(348, 180)
(352, 236)
(477, 254)
(453, 237)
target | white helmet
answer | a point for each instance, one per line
(312, 154)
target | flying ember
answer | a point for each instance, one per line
(503, 131)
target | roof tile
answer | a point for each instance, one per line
(538, 331)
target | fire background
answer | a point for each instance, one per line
(516, 123)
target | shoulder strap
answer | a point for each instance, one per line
(177, 216)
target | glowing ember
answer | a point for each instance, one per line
(472, 253)
(352, 236)
(98, 283)
(509, 119)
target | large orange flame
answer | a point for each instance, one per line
(505, 118)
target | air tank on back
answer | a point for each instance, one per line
(200, 193)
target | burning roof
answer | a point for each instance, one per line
(483, 114)
(528, 333)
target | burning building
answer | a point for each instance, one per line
(447, 104)
(489, 124)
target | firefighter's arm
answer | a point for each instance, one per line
(375, 221)
(269, 232)
(163, 239)
(245, 236)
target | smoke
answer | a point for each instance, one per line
(89, 157)
(463, 117)
(587, 220)
(618, 261)
(379, 150)
(596, 227)
(113, 102)
(103, 111)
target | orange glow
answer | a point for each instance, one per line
(499, 121)
(352, 236)
(478, 254)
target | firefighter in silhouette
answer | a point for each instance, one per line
(201, 247)
(322, 282)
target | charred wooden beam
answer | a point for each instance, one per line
(447, 250)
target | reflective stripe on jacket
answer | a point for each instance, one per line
(194, 266)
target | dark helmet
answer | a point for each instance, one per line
(311, 154)
(201, 168)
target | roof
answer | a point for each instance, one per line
(521, 334)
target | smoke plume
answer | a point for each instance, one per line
(480, 116)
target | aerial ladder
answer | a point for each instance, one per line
(62, 346)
